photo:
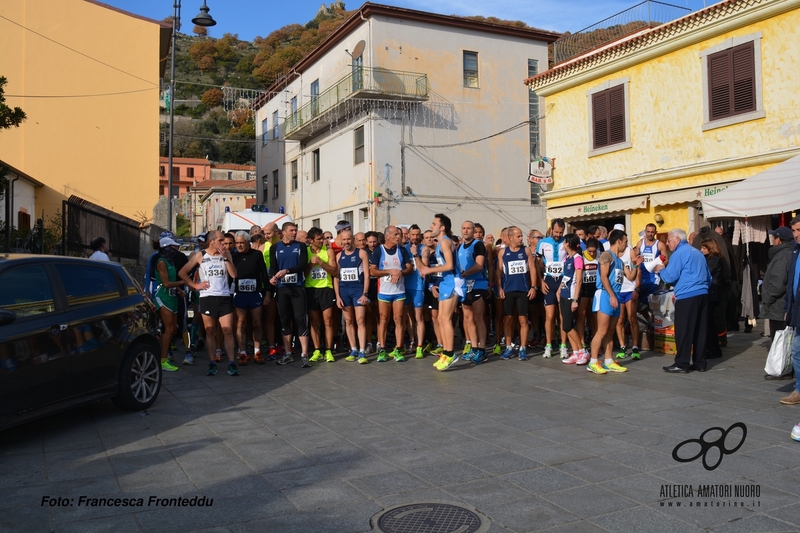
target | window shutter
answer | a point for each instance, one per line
(600, 119)
(616, 113)
(720, 78)
(744, 83)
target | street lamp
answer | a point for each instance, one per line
(202, 19)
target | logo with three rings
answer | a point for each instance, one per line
(707, 446)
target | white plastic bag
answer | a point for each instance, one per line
(779, 359)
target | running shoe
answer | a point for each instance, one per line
(479, 357)
(437, 351)
(439, 360)
(188, 359)
(285, 359)
(362, 358)
(272, 354)
(596, 368)
(352, 356)
(621, 354)
(468, 356)
(497, 350)
(583, 358)
(614, 367)
(428, 347)
(329, 358)
(369, 348)
(212, 369)
(449, 361)
(218, 355)
(439, 365)
(796, 432)
(548, 351)
(381, 356)
(420, 353)
(572, 360)
(170, 357)
(243, 358)
(397, 354)
(564, 353)
(523, 354)
(467, 348)
(508, 353)
(316, 356)
(635, 353)
(257, 357)
(305, 360)
(167, 366)
(232, 370)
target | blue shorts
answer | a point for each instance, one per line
(553, 284)
(389, 298)
(351, 295)
(248, 300)
(602, 303)
(415, 297)
(625, 297)
(446, 289)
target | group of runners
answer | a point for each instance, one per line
(411, 290)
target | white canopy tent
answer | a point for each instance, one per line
(773, 191)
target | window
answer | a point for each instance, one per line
(23, 221)
(162, 171)
(314, 97)
(316, 166)
(265, 186)
(87, 284)
(348, 216)
(294, 111)
(176, 191)
(162, 190)
(190, 172)
(275, 125)
(294, 175)
(609, 126)
(358, 73)
(471, 69)
(358, 142)
(732, 82)
(264, 131)
(26, 291)
(176, 172)
(230, 175)
(533, 129)
(274, 184)
(315, 223)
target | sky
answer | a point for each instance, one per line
(251, 18)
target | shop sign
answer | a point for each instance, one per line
(541, 170)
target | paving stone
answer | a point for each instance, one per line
(378, 485)
(110, 524)
(646, 520)
(595, 470)
(543, 480)
(588, 501)
(531, 515)
(760, 523)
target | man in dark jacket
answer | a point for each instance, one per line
(791, 306)
(773, 289)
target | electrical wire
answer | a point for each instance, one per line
(76, 51)
(213, 139)
(507, 130)
(78, 95)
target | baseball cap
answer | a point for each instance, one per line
(167, 241)
(619, 227)
(783, 233)
(201, 237)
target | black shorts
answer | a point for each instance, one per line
(588, 290)
(516, 300)
(475, 294)
(320, 299)
(216, 306)
(553, 284)
(431, 301)
(372, 294)
(567, 316)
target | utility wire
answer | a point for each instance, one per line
(213, 139)
(512, 128)
(78, 95)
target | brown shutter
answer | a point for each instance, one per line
(616, 108)
(719, 74)
(732, 81)
(744, 79)
(600, 119)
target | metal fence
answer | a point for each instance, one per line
(647, 14)
(82, 222)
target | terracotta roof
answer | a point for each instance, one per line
(231, 166)
(641, 40)
(185, 160)
(226, 184)
(369, 10)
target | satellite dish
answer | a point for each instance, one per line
(359, 49)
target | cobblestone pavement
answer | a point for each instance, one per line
(534, 446)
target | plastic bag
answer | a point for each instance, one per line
(779, 359)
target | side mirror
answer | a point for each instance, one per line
(7, 317)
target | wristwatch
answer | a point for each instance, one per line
(535, 287)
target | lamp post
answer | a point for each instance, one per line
(202, 19)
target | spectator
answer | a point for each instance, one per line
(791, 306)
(99, 248)
(773, 289)
(688, 272)
(715, 292)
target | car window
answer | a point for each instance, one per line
(26, 291)
(86, 284)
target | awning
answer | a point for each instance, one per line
(684, 196)
(773, 191)
(602, 207)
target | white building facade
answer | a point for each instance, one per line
(402, 114)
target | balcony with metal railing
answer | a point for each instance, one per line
(647, 14)
(362, 83)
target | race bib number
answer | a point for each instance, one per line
(555, 268)
(590, 276)
(386, 279)
(348, 274)
(470, 284)
(517, 267)
(217, 272)
(190, 313)
(646, 258)
(289, 279)
(247, 285)
(318, 273)
(437, 275)
(565, 282)
(618, 276)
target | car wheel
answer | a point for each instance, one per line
(139, 378)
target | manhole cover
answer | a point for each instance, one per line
(429, 518)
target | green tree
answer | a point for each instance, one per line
(9, 118)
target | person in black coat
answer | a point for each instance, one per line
(716, 311)
(773, 288)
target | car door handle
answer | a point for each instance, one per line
(56, 329)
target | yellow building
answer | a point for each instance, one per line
(88, 77)
(645, 127)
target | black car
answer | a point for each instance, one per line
(73, 331)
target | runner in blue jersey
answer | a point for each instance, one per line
(649, 249)
(352, 289)
(415, 290)
(471, 266)
(450, 288)
(516, 279)
(432, 292)
(606, 302)
(551, 250)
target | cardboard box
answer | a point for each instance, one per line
(669, 331)
(665, 344)
(663, 321)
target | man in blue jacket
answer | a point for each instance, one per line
(688, 272)
(791, 305)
